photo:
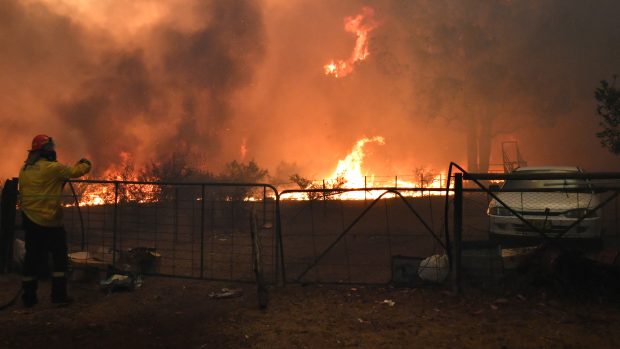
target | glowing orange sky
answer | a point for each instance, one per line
(219, 77)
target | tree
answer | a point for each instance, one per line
(237, 172)
(608, 99)
(240, 172)
(305, 183)
(174, 169)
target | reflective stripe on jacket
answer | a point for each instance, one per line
(40, 187)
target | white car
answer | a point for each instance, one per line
(550, 211)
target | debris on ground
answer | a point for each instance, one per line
(139, 260)
(512, 258)
(389, 302)
(84, 258)
(120, 282)
(434, 268)
(227, 293)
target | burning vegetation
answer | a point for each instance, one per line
(348, 174)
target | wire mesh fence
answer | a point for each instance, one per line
(188, 230)
(203, 230)
(355, 241)
(508, 217)
(357, 236)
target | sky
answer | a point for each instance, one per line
(245, 80)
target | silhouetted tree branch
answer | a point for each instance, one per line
(608, 108)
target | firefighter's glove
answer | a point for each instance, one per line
(85, 161)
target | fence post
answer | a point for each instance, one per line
(202, 231)
(175, 222)
(279, 243)
(616, 221)
(7, 225)
(264, 205)
(114, 223)
(365, 189)
(458, 229)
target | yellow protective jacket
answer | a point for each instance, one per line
(40, 187)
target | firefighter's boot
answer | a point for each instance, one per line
(59, 291)
(29, 295)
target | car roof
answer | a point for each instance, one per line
(549, 169)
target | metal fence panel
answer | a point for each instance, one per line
(354, 241)
(195, 230)
(574, 211)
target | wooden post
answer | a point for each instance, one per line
(458, 230)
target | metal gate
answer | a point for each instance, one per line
(332, 240)
(191, 230)
(565, 211)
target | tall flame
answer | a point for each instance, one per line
(349, 174)
(350, 168)
(360, 25)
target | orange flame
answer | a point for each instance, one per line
(243, 150)
(349, 174)
(102, 194)
(360, 25)
(350, 168)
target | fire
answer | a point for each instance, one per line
(349, 174)
(102, 194)
(243, 150)
(350, 168)
(360, 25)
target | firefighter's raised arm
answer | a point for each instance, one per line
(81, 168)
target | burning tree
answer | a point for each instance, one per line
(305, 183)
(426, 176)
(331, 185)
(608, 108)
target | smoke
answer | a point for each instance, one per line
(106, 107)
(241, 80)
(521, 71)
(143, 86)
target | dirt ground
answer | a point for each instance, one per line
(178, 313)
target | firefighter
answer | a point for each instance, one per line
(41, 181)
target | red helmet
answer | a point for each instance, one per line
(40, 141)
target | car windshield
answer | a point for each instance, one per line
(546, 183)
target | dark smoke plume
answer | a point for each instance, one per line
(168, 89)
